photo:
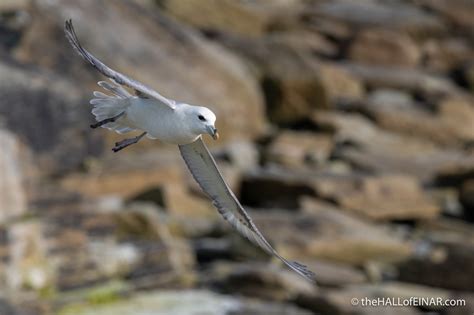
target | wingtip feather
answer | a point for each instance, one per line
(303, 270)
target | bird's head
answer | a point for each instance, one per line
(203, 121)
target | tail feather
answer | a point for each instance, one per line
(106, 106)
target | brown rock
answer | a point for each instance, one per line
(449, 126)
(466, 197)
(277, 188)
(329, 233)
(13, 177)
(28, 265)
(446, 54)
(305, 41)
(377, 76)
(355, 299)
(299, 149)
(457, 12)
(442, 270)
(384, 47)
(392, 15)
(390, 197)
(376, 150)
(34, 108)
(127, 175)
(240, 17)
(334, 274)
(291, 80)
(262, 281)
(457, 117)
(341, 85)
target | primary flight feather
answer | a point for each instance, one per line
(161, 118)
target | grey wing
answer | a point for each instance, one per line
(204, 170)
(112, 74)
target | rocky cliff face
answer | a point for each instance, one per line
(347, 131)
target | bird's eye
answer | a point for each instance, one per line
(201, 117)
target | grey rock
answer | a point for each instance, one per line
(391, 14)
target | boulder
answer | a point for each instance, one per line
(170, 302)
(16, 177)
(128, 175)
(389, 197)
(442, 270)
(34, 109)
(290, 78)
(398, 16)
(240, 17)
(295, 149)
(384, 47)
(329, 233)
(356, 299)
(275, 188)
(413, 80)
(446, 54)
(333, 274)
(466, 197)
(448, 126)
(457, 12)
(261, 281)
(341, 85)
(369, 148)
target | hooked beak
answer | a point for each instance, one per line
(213, 132)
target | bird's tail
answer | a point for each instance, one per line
(108, 106)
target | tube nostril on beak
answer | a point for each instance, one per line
(215, 136)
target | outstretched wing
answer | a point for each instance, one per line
(112, 74)
(204, 170)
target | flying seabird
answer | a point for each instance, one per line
(173, 122)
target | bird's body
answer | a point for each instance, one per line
(173, 122)
(159, 121)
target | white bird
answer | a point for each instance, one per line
(178, 123)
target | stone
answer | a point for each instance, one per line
(466, 197)
(384, 47)
(262, 281)
(34, 108)
(389, 197)
(13, 5)
(128, 175)
(332, 274)
(244, 155)
(414, 80)
(349, 300)
(379, 151)
(240, 17)
(171, 302)
(457, 117)
(304, 40)
(448, 126)
(296, 149)
(275, 188)
(340, 84)
(447, 54)
(28, 266)
(392, 15)
(290, 78)
(15, 177)
(230, 90)
(457, 256)
(329, 233)
(458, 12)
